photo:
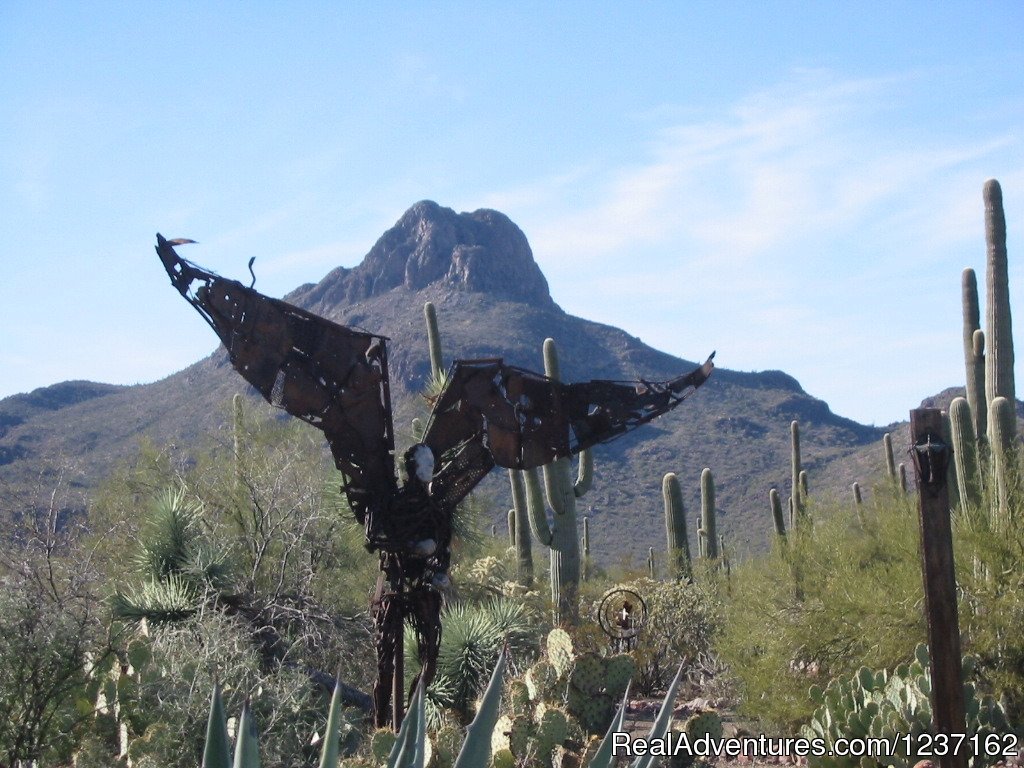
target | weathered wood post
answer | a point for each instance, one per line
(931, 460)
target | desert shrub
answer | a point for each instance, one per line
(166, 707)
(683, 620)
(990, 578)
(848, 593)
(259, 533)
(51, 633)
(828, 600)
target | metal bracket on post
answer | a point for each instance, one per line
(931, 460)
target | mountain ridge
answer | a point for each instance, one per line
(737, 424)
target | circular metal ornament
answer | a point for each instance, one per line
(622, 614)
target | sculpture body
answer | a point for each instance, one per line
(488, 414)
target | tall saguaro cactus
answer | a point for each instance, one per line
(999, 334)
(675, 528)
(974, 353)
(708, 522)
(796, 469)
(890, 459)
(561, 492)
(237, 427)
(585, 548)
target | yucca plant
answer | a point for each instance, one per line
(178, 564)
(473, 635)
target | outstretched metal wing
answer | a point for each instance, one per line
(330, 376)
(492, 414)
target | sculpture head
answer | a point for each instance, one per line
(419, 463)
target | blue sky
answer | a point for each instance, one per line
(797, 185)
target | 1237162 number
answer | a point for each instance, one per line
(943, 744)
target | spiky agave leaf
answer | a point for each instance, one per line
(411, 742)
(662, 720)
(216, 750)
(247, 747)
(169, 600)
(332, 733)
(476, 749)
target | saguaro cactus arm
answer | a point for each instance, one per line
(974, 350)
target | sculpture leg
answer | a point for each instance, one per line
(387, 615)
(426, 617)
(385, 666)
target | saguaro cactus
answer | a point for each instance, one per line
(796, 469)
(433, 341)
(561, 536)
(777, 517)
(520, 526)
(237, 426)
(974, 353)
(999, 380)
(965, 454)
(585, 546)
(675, 528)
(890, 460)
(707, 514)
(952, 481)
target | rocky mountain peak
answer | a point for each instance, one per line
(482, 251)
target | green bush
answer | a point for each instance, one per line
(165, 703)
(827, 600)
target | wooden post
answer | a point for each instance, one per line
(931, 460)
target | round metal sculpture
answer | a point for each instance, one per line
(622, 614)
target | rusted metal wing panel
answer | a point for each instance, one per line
(330, 376)
(520, 419)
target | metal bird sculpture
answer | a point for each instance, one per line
(488, 414)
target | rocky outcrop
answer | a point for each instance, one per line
(482, 251)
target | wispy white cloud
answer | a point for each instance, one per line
(817, 193)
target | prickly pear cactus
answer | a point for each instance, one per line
(699, 725)
(381, 742)
(706, 723)
(882, 704)
(541, 680)
(560, 651)
(566, 698)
